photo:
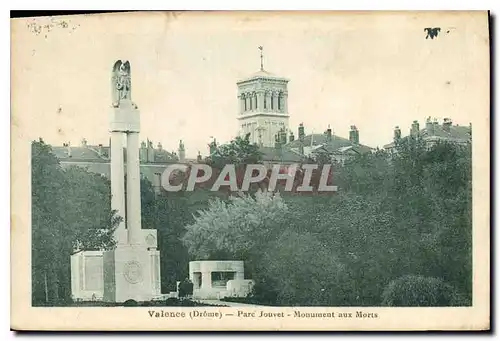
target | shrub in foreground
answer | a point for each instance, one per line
(420, 291)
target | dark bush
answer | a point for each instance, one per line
(420, 291)
(245, 300)
(264, 292)
(130, 303)
(171, 301)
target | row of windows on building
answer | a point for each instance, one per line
(271, 101)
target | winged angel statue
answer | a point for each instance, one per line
(121, 87)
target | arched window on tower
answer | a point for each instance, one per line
(272, 101)
(265, 100)
(280, 99)
(244, 102)
(255, 100)
(251, 101)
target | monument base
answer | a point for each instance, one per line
(88, 268)
(131, 272)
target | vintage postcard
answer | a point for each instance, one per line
(285, 171)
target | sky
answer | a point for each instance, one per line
(372, 70)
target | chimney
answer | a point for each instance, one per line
(428, 126)
(292, 137)
(435, 124)
(354, 135)
(150, 152)
(159, 146)
(397, 133)
(84, 142)
(182, 152)
(415, 128)
(282, 135)
(302, 134)
(199, 158)
(143, 152)
(329, 134)
(447, 124)
(277, 140)
(68, 145)
(99, 149)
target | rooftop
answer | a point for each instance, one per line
(434, 130)
(332, 144)
(91, 153)
(81, 153)
(283, 154)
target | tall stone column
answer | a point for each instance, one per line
(118, 180)
(133, 190)
(131, 270)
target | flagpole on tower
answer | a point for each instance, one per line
(261, 58)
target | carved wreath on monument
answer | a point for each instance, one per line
(133, 272)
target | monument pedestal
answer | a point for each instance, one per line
(131, 272)
(100, 275)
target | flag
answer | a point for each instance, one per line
(261, 48)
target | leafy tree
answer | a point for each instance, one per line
(93, 228)
(70, 211)
(235, 229)
(239, 151)
(365, 173)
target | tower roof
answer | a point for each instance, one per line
(262, 74)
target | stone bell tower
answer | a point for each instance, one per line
(263, 106)
(132, 269)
